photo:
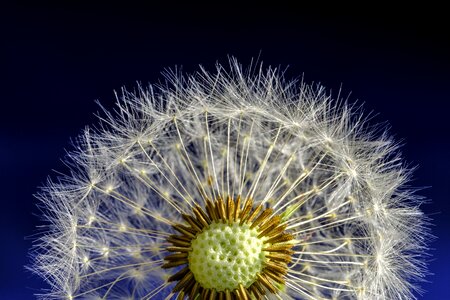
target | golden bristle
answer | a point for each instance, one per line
(221, 210)
(257, 285)
(187, 231)
(237, 208)
(254, 213)
(246, 210)
(274, 221)
(178, 241)
(179, 249)
(178, 275)
(261, 217)
(212, 295)
(176, 263)
(283, 237)
(210, 209)
(180, 295)
(227, 295)
(274, 267)
(275, 231)
(283, 248)
(254, 291)
(273, 276)
(183, 282)
(194, 290)
(279, 257)
(201, 216)
(266, 283)
(193, 222)
(176, 256)
(204, 294)
(243, 292)
(230, 210)
(221, 295)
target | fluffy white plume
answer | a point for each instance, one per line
(337, 183)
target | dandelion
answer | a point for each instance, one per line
(232, 185)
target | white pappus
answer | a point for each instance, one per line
(324, 193)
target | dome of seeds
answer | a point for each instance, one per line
(224, 256)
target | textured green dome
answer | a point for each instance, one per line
(226, 255)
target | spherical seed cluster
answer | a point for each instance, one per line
(226, 255)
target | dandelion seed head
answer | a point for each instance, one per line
(236, 184)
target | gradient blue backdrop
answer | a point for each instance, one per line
(56, 60)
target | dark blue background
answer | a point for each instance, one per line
(56, 60)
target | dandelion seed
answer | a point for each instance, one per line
(232, 185)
